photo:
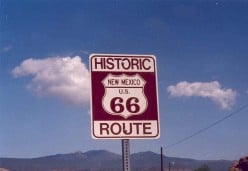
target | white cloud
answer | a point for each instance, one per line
(224, 98)
(64, 78)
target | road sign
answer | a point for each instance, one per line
(124, 99)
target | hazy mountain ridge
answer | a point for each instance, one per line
(102, 160)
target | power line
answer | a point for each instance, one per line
(207, 127)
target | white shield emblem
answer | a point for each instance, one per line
(124, 95)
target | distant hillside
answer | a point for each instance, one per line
(101, 160)
(152, 160)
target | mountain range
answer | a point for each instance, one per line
(102, 160)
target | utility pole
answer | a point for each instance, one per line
(161, 159)
(169, 166)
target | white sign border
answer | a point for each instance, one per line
(157, 95)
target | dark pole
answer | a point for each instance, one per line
(126, 155)
(169, 166)
(161, 159)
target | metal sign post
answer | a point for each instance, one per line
(126, 155)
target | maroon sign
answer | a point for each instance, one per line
(124, 100)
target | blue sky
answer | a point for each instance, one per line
(202, 59)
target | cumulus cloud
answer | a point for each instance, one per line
(224, 98)
(65, 78)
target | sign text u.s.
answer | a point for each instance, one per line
(124, 100)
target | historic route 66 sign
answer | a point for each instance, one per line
(124, 101)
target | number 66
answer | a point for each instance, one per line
(131, 104)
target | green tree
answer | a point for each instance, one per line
(203, 168)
